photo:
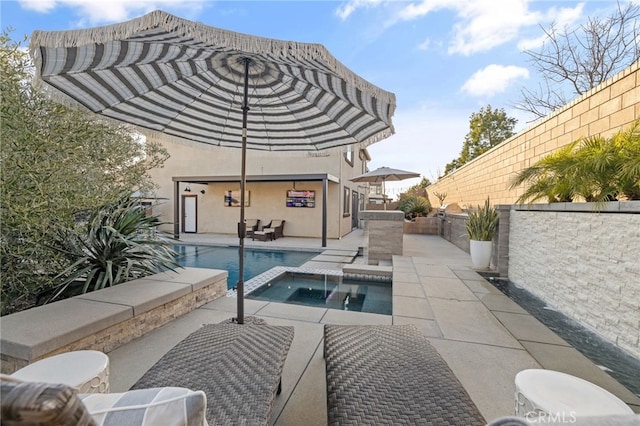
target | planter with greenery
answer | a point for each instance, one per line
(414, 206)
(596, 169)
(481, 227)
(119, 243)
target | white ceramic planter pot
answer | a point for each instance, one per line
(480, 253)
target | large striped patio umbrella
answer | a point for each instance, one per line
(177, 79)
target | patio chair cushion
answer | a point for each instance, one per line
(265, 235)
(277, 227)
(31, 403)
(35, 403)
(252, 225)
(166, 406)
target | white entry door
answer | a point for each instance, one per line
(189, 213)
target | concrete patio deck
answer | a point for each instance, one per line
(484, 336)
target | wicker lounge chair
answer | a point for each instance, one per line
(265, 235)
(277, 227)
(252, 225)
(239, 368)
(391, 375)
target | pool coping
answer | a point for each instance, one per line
(273, 273)
(111, 317)
(379, 274)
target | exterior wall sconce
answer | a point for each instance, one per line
(202, 191)
(187, 189)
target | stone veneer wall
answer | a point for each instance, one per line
(384, 233)
(607, 108)
(585, 264)
(120, 333)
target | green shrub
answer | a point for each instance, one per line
(119, 243)
(57, 164)
(414, 206)
(594, 169)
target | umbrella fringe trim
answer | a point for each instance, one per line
(205, 34)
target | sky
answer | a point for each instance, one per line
(443, 59)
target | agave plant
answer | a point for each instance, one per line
(482, 222)
(119, 243)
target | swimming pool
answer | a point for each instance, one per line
(256, 261)
(332, 291)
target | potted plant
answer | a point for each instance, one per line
(481, 226)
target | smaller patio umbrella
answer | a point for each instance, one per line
(383, 174)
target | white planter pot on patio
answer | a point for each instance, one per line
(480, 253)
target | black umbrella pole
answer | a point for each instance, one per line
(243, 176)
(241, 233)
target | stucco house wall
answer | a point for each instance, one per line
(267, 199)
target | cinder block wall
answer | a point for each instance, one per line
(584, 264)
(603, 110)
(422, 225)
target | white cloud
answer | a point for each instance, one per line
(41, 6)
(418, 10)
(531, 43)
(92, 12)
(493, 79)
(346, 9)
(561, 17)
(480, 25)
(565, 16)
(486, 24)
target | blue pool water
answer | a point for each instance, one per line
(255, 261)
(327, 291)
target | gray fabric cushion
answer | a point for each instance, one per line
(158, 406)
(34, 403)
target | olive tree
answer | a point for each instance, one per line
(58, 164)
